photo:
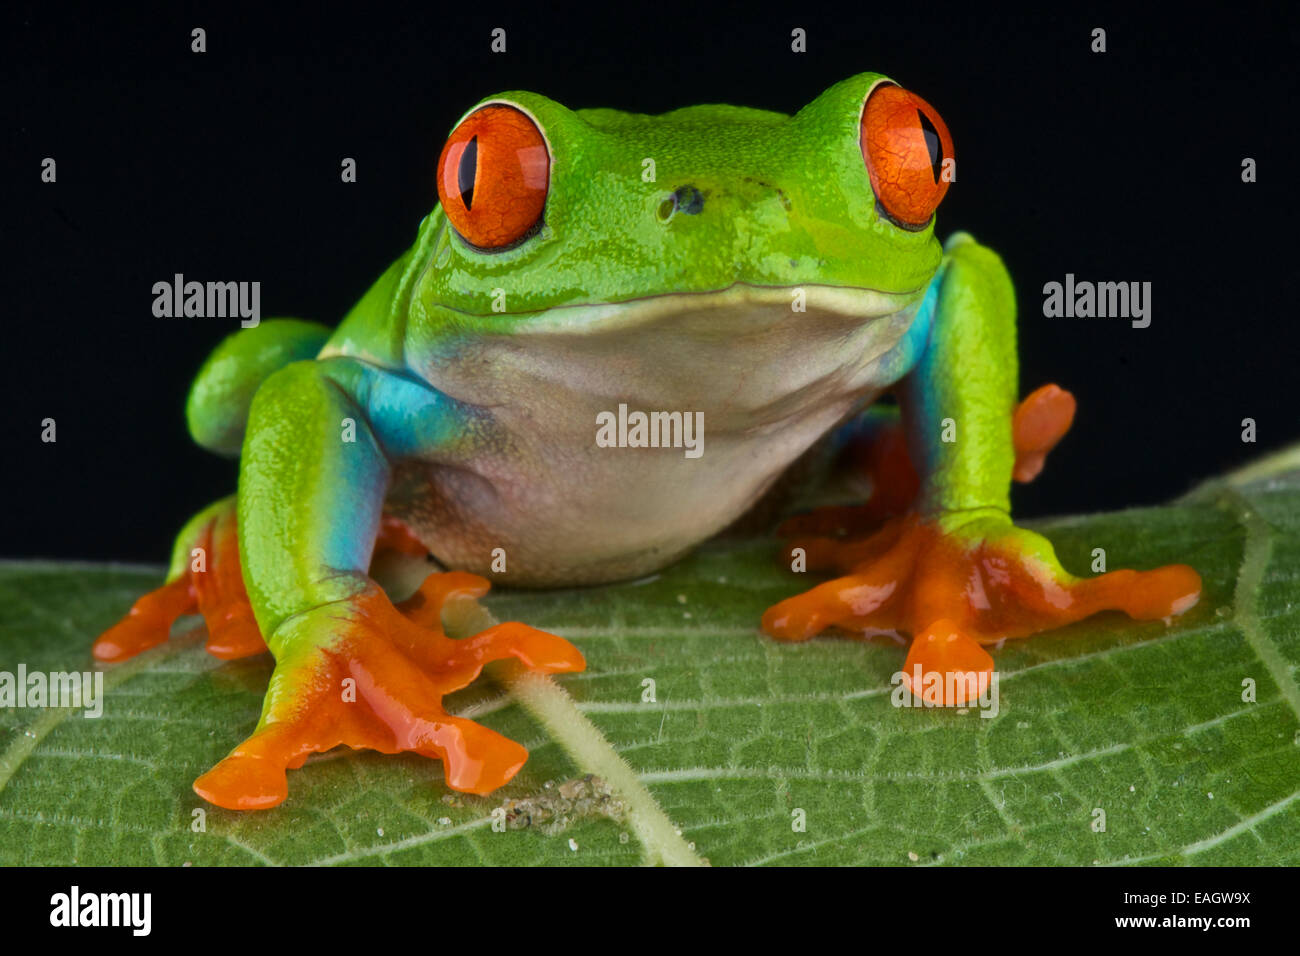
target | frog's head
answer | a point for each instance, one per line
(554, 215)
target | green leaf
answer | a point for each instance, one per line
(1142, 721)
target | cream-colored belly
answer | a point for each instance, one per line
(538, 492)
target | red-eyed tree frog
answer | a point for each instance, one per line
(762, 277)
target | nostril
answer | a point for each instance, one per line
(689, 200)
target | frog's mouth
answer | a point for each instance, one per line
(735, 310)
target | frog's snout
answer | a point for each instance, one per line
(746, 194)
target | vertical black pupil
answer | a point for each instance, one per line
(468, 168)
(932, 143)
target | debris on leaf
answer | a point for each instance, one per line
(555, 809)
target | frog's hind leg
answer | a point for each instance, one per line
(204, 576)
(874, 445)
(219, 400)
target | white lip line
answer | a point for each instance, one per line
(647, 310)
(895, 301)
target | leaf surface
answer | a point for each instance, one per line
(1147, 723)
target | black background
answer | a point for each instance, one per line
(1123, 166)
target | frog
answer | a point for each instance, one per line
(775, 277)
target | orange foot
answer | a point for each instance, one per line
(361, 673)
(212, 584)
(957, 583)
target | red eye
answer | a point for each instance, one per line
(908, 153)
(493, 175)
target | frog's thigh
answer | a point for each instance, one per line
(217, 408)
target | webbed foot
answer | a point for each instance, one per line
(362, 673)
(961, 581)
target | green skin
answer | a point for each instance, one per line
(478, 427)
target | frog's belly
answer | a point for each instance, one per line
(585, 515)
(538, 486)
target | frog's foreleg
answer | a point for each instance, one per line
(954, 571)
(350, 668)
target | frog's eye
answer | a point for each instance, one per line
(908, 153)
(493, 175)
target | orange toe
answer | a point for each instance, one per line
(537, 650)
(1039, 422)
(223, 600)
(148, 623)
(424, 607)
(1143, 595)
(945, 667)
(244, 782)
(235, 635)
(213, 585)
(477, 760)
